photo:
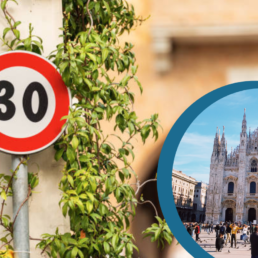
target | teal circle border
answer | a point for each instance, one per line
(167, 157)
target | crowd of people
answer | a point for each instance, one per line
(226, 233)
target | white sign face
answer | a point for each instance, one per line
(20, 83)
(33, 99)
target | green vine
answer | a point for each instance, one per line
(95, 170)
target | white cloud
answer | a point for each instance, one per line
(194, 153)
(197, 139)
(238, 99)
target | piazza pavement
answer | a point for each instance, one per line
(208, 244)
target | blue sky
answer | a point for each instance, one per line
(194, 152)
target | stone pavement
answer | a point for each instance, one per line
(208, 244)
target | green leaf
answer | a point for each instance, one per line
(97, 6)
(80, 254)
(125, 80)
(75, 142)
(64, 209)
(105, 53)
(114, 241)
(106, 247)
(6, 30)
(92, 57)
(139, 84)
(134, 69)
(80, 205)
(130, 127)
(80, 2)
(27, 42)
(3, 194)
(16, 33)
(71, 154)
(59, 154)
(74, 252)
(63, 65)
(70, 180)
(145, 131)
(16, 24)
(89, 206)
(107, 7)
(3, 4)
(157, 233)
(129, 249)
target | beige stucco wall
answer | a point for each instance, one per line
(193, 12)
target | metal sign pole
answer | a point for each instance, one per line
(21, 226)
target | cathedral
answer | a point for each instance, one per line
(232, 193)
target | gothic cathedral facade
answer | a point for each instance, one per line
(232, 192)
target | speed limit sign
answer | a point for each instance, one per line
(33, 99)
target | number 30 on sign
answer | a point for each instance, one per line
(33, 99)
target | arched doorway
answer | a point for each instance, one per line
(229, 214)
(251, 214)
(193, 218)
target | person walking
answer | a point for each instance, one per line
(197, 232)
(254, 241)
(190, 230)
(245, 229)
(234, 229)
(222, 231)
(211, 227)
(228, 231)
(219, 243)
(251, 227)
(200, 225)
(217, 230)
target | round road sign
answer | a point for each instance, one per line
(33, 99)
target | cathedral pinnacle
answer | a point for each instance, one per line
(244, 123)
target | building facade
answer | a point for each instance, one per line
(183, 191)
(232, 193)
(200, 197)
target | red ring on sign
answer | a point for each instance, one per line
(48, 135)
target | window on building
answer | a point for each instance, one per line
(196, 195)
(175, 188)
(252, 187)
(230, 187)
(253, 165)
